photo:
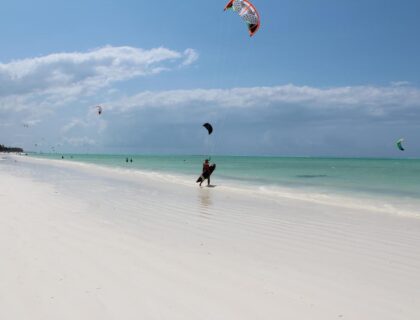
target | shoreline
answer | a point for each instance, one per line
(381, 203)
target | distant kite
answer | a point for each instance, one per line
(399, 144)
(208, 127)
(99, 110)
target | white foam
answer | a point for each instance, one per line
(384, 204)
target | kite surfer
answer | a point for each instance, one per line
(207, 168)
(207, 171)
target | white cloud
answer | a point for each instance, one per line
(74, 123)
(191, 57)
(89, 122)
(79, 141)
(400, 83)
(31, 122)
(5, 124)
(372, 100)
(59, 78)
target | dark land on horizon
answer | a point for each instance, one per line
(10, 149)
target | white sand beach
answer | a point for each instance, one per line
(83, 242)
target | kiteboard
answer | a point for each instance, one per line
(207, 174)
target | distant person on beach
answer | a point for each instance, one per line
(131, 159)
(126, 160)
(206, 172)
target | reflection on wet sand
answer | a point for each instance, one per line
(205, 200)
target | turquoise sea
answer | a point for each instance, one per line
(362, 177)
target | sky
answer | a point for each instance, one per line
(320, 78)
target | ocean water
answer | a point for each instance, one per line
(396, 178)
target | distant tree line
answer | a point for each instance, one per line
(10, 149)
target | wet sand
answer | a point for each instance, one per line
(83, 242)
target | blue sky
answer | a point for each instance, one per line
(320, 78)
